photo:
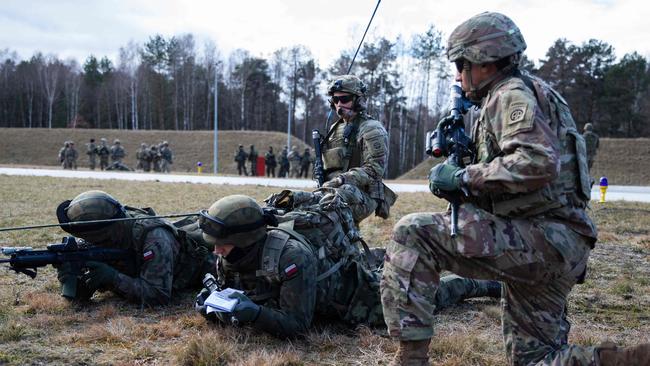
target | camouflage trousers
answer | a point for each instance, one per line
(538, 262)
(360, 202)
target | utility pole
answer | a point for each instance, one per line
(216, 116)
(289, 125)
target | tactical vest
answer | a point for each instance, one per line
(340, 148)
(193, 252)
(571, 188)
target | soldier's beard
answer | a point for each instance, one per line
(345, 113)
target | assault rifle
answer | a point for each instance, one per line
(449, 140)
(27, 260)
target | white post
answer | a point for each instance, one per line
(289, 126)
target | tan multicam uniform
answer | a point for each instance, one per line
(524, 224)
(361, 162)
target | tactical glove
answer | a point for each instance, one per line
(334, 183)
(246, 311)
(201, 308)
(99, 275)
(445, 178)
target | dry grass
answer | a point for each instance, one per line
(17, 145)
(38, 327)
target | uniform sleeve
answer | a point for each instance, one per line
(530, 156)
(297, 300)
(374, 142)
(154, 284)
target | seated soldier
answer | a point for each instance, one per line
(164, 261)
(288, 280)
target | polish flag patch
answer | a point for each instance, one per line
(148, 255)
(291, 270)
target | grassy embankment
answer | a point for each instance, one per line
(38, 327)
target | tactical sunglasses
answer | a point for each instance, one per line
(459, 65)
(343, 98)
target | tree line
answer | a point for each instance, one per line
(169, 83)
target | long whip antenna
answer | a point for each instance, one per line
(77, 223)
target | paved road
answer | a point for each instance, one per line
(627, 193)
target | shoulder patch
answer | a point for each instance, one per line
(148, 255)
(291, 270)
(518, 118)
(517, 112)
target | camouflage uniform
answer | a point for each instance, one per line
(252, 157)
(155, 157)
(62, 152)
(117, 152)
(240, 159)
(284, 163)
(355, 154)
(91, 151)
(270, 162)
(143, 157)
(294, 162)
(305, 162)
(293, 281)
(524, 222)
(166, 157)
(592, 141)
(103, 152)
(165, 261)
(71, 156)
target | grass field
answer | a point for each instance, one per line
(38, 327)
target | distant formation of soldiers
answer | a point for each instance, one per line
(292, 164)
(157, 157)
(160, 157)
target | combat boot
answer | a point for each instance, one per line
(412, 353)
(610, 355)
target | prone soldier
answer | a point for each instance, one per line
(286, 283)
(165, 261)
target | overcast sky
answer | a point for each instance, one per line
(76, 28)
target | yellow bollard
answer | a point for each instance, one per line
(199, 167)
(603, 189)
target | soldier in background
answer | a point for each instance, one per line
(252, 157)
(240, 159)
(284, 163)
(71, 156)
(294, 162)
(143, 157)
(155, 158)
(91, 151)
(103, 152)
(305, 162)
(355, 151)
(159, 247)
(270, 162)
(592, 140)
(166, 157)
(117, 154)
(62, 151)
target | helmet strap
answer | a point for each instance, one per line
(480, 91)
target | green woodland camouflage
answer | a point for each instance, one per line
(165, 258)
(524, 224)
(486, 37)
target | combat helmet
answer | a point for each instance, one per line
(589, 127)
(236, 220)
(486, 37)
(116, 141)
(87, 206)
(347, 84)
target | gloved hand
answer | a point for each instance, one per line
(246, 311)
(445, 178)
(99, 275)
(334, 183)
(201, 308)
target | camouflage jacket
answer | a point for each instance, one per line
(592, 140)
(269, 159)
(361, 156)
(165, 260)
(117, 152)
(286, 277)
(531, 161)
